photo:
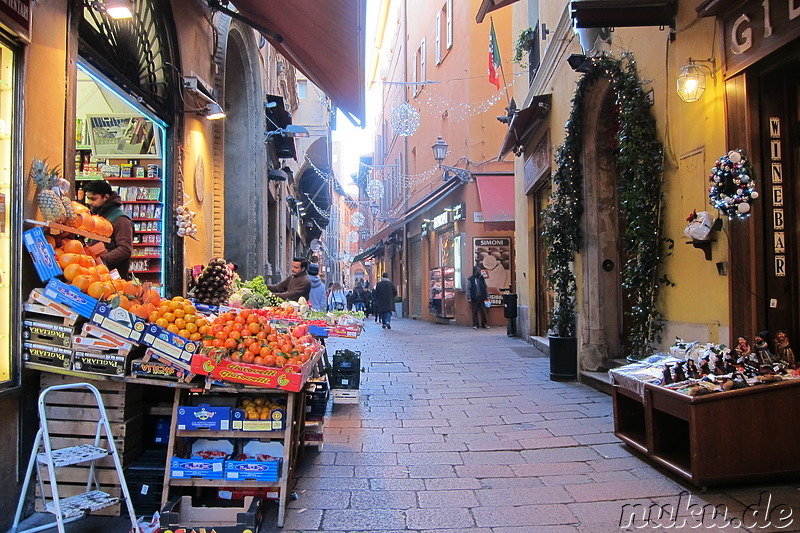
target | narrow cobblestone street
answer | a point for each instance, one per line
(462, 431)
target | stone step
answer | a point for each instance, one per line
(600, 381)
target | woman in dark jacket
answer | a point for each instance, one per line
(477, 294)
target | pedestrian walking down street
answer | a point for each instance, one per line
(385, 293)
(477, 294)
(336, 299)
(358, 298)
(316, 295)
(369, 308)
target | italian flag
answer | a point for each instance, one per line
(494, 58)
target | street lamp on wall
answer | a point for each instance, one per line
(439, 153)
(691, 83)
(374, 209)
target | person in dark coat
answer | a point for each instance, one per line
(349, 299)
(384, 295)
(477, 293)
(368, 307)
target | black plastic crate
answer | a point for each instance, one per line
(317, 393)
(346, 369)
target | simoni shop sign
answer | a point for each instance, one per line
(756, 28)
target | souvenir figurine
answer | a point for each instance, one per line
(743, 350)
(679, 373)
(765, 357)
(691, 369)
(705, 367)
(667, 375)
(782, 349)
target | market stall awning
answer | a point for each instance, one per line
(324, 40)
(525, 123)
(313, 187)
(431, 199)
(496, 193)
(487, 6)
(623, 13)
(372, 251)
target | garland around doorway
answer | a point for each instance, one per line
(639, 158)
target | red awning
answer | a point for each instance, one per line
(487, 6)
(324, 40)
(496, 193)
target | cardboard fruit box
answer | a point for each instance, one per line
(156, 369)
(198, 465)
(180, 516)
(42, 332)
(119, 321)
(254, 375)
(69, 295)
(171, 346)
(96, 363)
(42, 254)
(47, 355)
(259, 461)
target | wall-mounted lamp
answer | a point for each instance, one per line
(275, 174)
(118, 9)
(289, 131)
(364, 234)
(214, 111)
(374, 209)
(691, 82)
(439, 153)
(202, 91)
(580, 63)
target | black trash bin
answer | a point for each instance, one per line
(510, 312)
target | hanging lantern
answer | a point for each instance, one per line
(357, 219)
(404, 120)
(375, 190)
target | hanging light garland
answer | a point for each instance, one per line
(404, 119)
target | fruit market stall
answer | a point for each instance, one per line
(724, 420)
(246, 370)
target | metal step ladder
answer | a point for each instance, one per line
(74, 507)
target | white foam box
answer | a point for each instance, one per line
(345, 396)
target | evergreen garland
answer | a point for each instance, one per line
(639, 157)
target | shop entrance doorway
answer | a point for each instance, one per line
(780, 168)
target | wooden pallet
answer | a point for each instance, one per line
(72, 420)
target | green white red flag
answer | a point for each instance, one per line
(494, 58)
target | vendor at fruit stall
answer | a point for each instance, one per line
(296, 285)
(105, 202)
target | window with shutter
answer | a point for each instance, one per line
(449, 14)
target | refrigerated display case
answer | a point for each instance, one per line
(442, 292)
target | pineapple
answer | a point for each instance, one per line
(49, 203)
(70, 216)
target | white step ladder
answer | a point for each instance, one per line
(75, 507)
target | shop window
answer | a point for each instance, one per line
(457, 263)
(7, 70)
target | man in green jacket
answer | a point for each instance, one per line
(105, 202)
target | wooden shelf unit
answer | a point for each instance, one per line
(742, 435)
(294, 425)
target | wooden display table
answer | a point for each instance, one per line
(723, 437)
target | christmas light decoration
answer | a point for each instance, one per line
(357, 219)
(404, 119)
(733, 185)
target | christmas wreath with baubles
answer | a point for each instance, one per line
(732, 185)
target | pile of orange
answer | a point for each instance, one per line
(83, 272)
(88, 222)
(180, 317)
(247, 337)
(259, 408)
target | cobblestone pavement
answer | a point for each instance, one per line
(460, 430)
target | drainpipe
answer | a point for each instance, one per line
(404, 167)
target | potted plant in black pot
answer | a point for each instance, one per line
(561, 233)
(526, 42)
